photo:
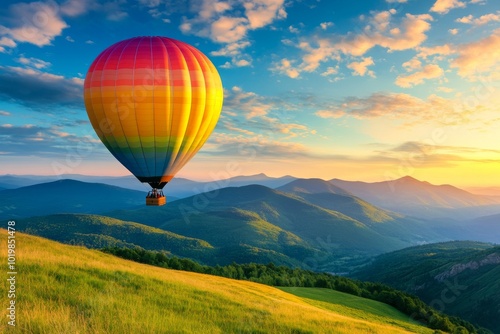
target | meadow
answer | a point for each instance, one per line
(71, 289)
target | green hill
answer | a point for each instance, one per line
(460, 278)
(387, 223)
(260, 217)
(69, 289)
(95, 231)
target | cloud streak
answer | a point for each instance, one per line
(37, 89)
(403, 107)
(428, 72)
(41, 141)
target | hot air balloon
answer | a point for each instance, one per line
(153, 102)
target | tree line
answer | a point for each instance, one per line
(283, 276)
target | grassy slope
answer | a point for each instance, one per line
(68, 289)
(355, 306)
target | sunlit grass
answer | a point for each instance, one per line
(67, 289)
(355, 306)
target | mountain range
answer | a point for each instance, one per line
(263, 218)
(405, 195)
(66, 196)
(309, 223)
(422, 199)
(177, 188)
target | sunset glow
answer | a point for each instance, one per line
(372, 91)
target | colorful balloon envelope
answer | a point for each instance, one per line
(153, 102)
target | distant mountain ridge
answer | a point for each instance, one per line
(421, 199)
(312, 186)
(68, 196)
(177, 188)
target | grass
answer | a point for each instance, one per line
(71, 289)
(355, 306)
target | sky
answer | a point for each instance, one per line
(368, 90)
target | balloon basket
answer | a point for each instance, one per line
(156, 198)
(156, 201)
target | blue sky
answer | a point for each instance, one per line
(372, 90)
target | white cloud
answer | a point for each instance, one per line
(36, 23)
(215, 21)
(381, 30)
(403, 107)
(235, 52)
(150, 3)
(412, 64)
(6, 41)
(482, 20)
(453, 31)
(247, 102)
(229, 22)
(69, 39)
(326, 25)
(430, 71)
(40, 22)
(263, 12)
(285, 67)
(33, 62)
(444, 6)
(40, 89)
(465, 19)
(330, 71)
(361, 68)
(482, 56)
(440, 50)
(74, 8)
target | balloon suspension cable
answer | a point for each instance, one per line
(157, 185)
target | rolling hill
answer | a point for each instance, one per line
(422, 199)
(68, 289)
(327, 195)
(314, 225)
(388, 223)
(460, 278)
(244, 224)
(316, 236)
(66, 196)
(95, 231)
